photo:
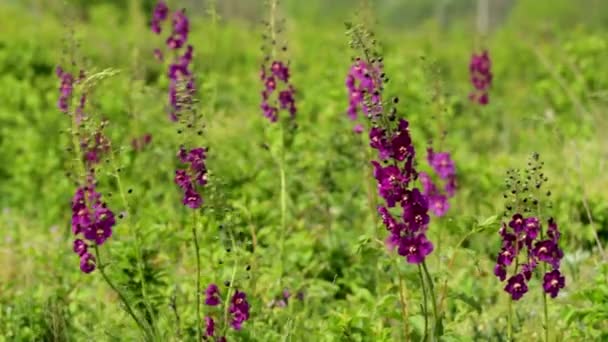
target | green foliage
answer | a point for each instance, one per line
(549, 95)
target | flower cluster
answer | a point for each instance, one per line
(161, 11)
(93, 219)
(94, 148)
(278, 93)
(238, 309)
(65, 90)
(437, 197)
(363, 84)
(522, 234)
(408, 233)
(181, 78)
(525, 244)
(481, 77)
(194, 175)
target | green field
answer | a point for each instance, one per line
(291, 206)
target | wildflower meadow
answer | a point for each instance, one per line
(286, 170)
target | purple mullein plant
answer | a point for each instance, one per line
(278, 93)
(92, 220)
(481, 77)
(181, 79)
(527, 245)
(405, 212)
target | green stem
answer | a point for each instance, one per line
(546, 323)
(283, 176)
(404, 310)
(424, 304)
(433, 300)
(231, 285)
(122, 297)
(510, 321)
(138, 243)
(199, 332)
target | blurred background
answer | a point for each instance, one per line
(402, 14)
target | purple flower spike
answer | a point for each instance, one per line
(481, 77)
(516, 286)
(212, 295)
(552, 282)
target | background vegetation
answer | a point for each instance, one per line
(550, 95)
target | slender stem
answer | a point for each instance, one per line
(433, 300)
(231, 285)
(404, 308)
(283, 201)
(424, 304)
(371, 201)
(546, 323)
(138, 241)
(272, 21)
(510, 321)
(199, 332)
(122, 297)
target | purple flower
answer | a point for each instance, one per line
(450, 186)
(415, 248)
(161, 11)
(401, 145)
(209, 326)
(212, 295)
(280, 70)
(500, 271)
(195, 158)
(439, 205)
(552, 230)
(481, 77)
(552, 282)
(516, 286)
(531, 229)
(442, 164)
(415, 211)
(80, 247)
(517, 223)
(506, 255)
(358, 129)
(549, 252)
(87, 263)
(192, 199)
(239, 309)
(363, 79)
(378, 141)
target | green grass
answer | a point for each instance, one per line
(549, 96)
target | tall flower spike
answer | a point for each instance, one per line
(523, 236)
(92, 221)
(278, 93)
(181, 78)
(481, 77)
(405, 209)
